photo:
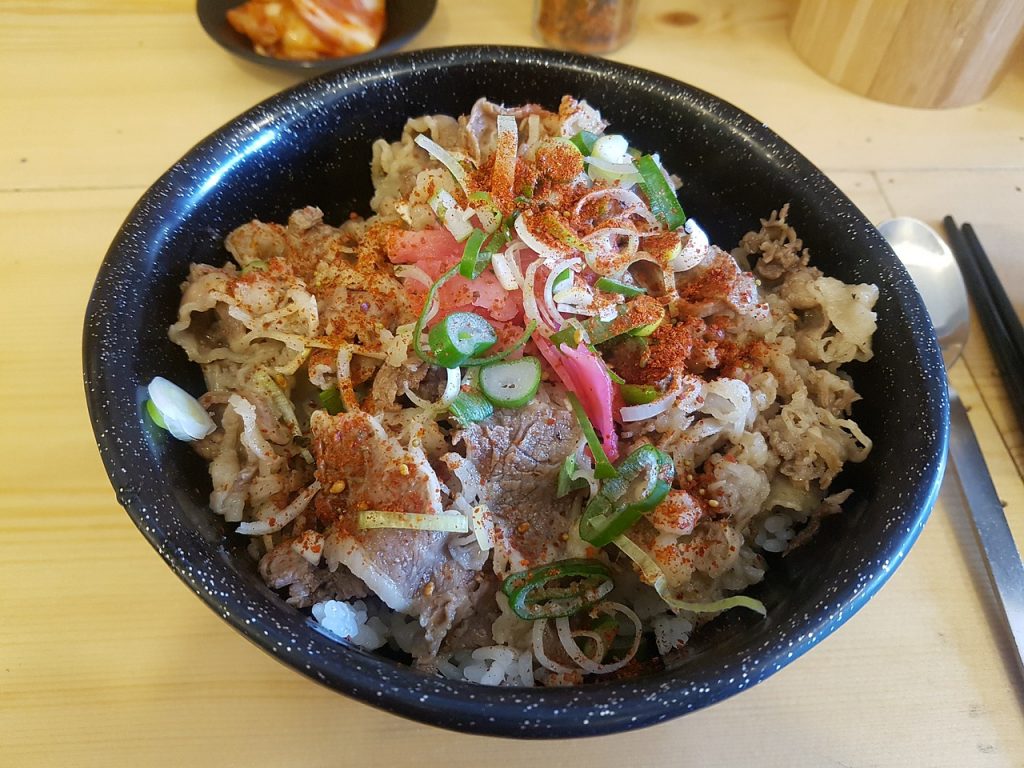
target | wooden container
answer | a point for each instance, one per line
(918, 53)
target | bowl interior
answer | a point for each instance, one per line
(311, 146)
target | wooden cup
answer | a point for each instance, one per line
(917, 53)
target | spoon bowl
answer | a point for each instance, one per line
(935, 273)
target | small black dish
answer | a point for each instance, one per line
(310, 145)
(405, 20)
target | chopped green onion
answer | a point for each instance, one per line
(520, 343)
(603, 468)
(470, 407)
(472, 265)
(662, 198)
(257, 265)
(379, 518)
(494, 244)
(565, 276)
(584, 141)
(639, 394)
(331, 400)
(183, 416)
(557, 589)
(569, 336)
(511, 383)
(566, 483)
(417, 331)
(643, 480)
(630, 319)
(459, 336)
(482, 196)
(155, 415)
(616, 286)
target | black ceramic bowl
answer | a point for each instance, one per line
(311, 145)
(405, 19)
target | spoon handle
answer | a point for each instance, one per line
(1001, 555)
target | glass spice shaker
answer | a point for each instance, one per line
(585, 26)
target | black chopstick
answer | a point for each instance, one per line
(1000, 322)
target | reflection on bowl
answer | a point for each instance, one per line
(311, 145)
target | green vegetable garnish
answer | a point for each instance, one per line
(584, 142)
(460, 336)
(521, 342)
(564, 276)
(155, 415)
(331, 400)
(511, 383)
(417, 331)
(558, 589)
(616, 286)
(603, 468)
(643, 480)
(474, 262)
(662, 198)
(470, 407)
(566, 484)
(569, 336)
(639, 394)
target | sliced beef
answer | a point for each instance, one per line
(283, 567)
(514, 459)
(411, 571)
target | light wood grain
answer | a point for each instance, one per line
(106, 659)
(917, 53)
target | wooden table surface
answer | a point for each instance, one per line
(106, 658)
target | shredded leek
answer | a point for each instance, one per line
(265, 383)
(380, 518)
(653, 574)
(446, 158)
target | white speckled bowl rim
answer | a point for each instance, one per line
(135, 454)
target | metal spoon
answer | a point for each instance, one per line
(937, 276)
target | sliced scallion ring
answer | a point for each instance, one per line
(511, 383)
(183, 415)
(459, 337)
